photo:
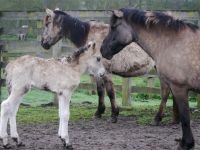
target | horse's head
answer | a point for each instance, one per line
(92, 60)
(120, 35)
(52, 28)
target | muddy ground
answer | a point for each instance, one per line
(103, 135)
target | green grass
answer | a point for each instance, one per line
(142, 114)
(144, 106)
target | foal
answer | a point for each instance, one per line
(60, 76)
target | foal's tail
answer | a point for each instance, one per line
(8, 75)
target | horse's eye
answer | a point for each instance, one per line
(98, 59)
(112, 27)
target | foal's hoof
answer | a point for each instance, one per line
(68, 147)
(7, 146)
(18, 142)
(21, 144)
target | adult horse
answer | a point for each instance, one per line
(129, 63)
(173, 44)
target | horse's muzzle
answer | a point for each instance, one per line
(45, 45)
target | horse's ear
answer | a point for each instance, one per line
(57, 8)
(118, 13)
(49, 12)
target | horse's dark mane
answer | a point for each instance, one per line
(73, 28)
(149, 19)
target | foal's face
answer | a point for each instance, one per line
(94, 61)
(119, 36)
(52, 29)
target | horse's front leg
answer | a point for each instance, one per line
(64, 103)
(111, 94)
(101, 94)
(181, 97)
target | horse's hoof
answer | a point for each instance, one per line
(97, 115)
(69, 147)
(177, 139)
(155, 123)
(182, 146)
(114, 119)
(7, 146)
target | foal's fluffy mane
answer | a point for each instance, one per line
(149, 19)
(75, 56)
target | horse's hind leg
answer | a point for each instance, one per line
(8, 112)
(181, 97)
(176, 117)
(101, 94)
(111, 94)
(165, 90)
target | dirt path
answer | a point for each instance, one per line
(102, 135)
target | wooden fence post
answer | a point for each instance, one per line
(150, 83)
(198, 95)
(126, 92)
(1, 61)
(198, 101)
(2, 65)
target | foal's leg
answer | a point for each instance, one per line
(101, 94)
(111, 94)
(165, 90)
(59, 112)
(64, 103)
(181, 97)
(8, 111)
(13, 125)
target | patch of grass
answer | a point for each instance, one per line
(35, 115)
(143, 114)
(144, 106)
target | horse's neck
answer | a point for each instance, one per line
(77, 31)
(154, 41)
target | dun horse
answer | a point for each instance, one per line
(59, 76)
(173, 44)
(132, 61)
